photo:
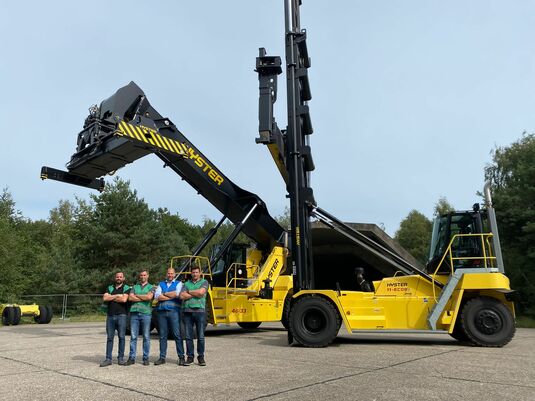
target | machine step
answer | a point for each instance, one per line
(447, 291)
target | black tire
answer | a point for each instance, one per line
(41, 319)
(49, 314)
(458, 332)
(17, 314)
(286, 312)
(127, 330)
(154, 320)
(249, 325)
(487, 322)
(182, 327)
(7, 316)
(314, 321)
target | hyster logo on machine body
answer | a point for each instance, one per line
(149, 135)
(273, 268)
(397, 287)
(209, 170)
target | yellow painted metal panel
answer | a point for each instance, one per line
(484, 281)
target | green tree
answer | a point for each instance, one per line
(19, 256)
(60, 270)
(34, 240)
(190, 233)
(443, 206)
(285, 219)
(12, 280)
(512, 177)
(177, 234)
(220, 237)
(414, 234)
(118, 231)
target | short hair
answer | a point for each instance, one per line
(196, 268)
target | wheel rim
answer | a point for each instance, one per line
(314, 321)
(488, 322)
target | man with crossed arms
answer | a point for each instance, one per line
(167, 293)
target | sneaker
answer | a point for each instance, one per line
(181, 362)
(189, 361)
(160, 361)
(201, 361)
(130, 362)
(121, 362)
(104, 363)
(146, 362)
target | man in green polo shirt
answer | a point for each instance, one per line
(140, 296)
(193, 296)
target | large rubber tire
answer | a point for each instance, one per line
(41, 319)
(286, 312)
(487, 322)
(154, 320)
(314, 321)
(458, 332)
(182, 327)
(17, 314)
(249, 325)
(49, 314)
(127, 330)
(7, 316)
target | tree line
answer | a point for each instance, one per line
(81, 243)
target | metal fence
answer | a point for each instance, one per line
(68, 305)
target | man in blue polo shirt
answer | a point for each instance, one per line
(167, 294)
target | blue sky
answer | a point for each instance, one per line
(408, 97)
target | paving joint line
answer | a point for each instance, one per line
(87, 379)
(52, 346)
(327, 381)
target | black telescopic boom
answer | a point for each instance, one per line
(125, 127)
(298, 156)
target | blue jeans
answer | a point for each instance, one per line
(113, 323)
(199, 319)
(137, 319)
(170, 320)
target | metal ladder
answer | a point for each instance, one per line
(448, 289)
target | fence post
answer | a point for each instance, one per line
(63, 306)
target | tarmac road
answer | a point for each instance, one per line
(60, 361)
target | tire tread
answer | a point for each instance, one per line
(331, 310)
(472, 337)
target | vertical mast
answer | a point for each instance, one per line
(298, 156)
(289, 148)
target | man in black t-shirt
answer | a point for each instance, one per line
(115, 299)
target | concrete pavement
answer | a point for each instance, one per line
(60, 361)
